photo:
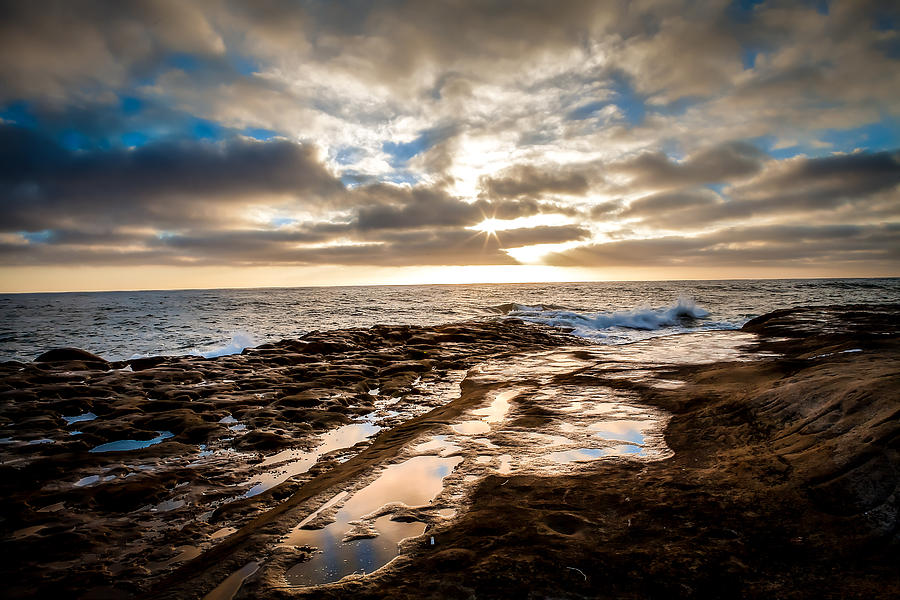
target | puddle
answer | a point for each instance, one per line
(87, 480)
(438, 442)
(498, 408)
(224, 532)
(589, 454)
(296, 462)
(166, 506)
(79, 418)
(541, 424)
(339, 559)
(123, 445)
(577, 455)
(53, 507)
(414, 482)
(471, 427)
(536, 419)
(228, 588)
(185, 553)
(23, 533)
(495, 412)
(629, 431)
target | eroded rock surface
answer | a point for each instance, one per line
(765, 464)
(189, 438)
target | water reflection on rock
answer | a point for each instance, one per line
(351, 544)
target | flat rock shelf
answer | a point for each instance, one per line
(498, 460)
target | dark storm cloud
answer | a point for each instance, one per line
(298, 246)
(822, 182)
(409, 208)
(179, 203)
(811, 186)
(382, 206)
(55, 49)
(512, 238)
(668, 202)
(433, 247)
(683, 209)
(417, 89)
(169, 184)
(605, 210)
(424, 247)
(529, 181)
(724, 162)
(773, 245)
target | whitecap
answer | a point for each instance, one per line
(239, 341)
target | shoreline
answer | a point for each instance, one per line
(723, 447)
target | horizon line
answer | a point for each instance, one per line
(507, 283)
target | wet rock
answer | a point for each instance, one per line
(564, 523)
(306, 399)
(264, 440)
(140, 364)
(454, 559)
(70, 355)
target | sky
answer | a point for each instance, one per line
(170, 144)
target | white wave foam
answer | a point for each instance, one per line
(239, 341)
(682, 315)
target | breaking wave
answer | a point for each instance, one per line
(619, 326)
(239, 341)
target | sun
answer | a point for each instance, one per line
(489, 226)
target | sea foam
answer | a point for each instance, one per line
(239, 341)
(683, 315)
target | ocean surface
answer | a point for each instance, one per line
(122, 325)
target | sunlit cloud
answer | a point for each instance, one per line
(427, 138)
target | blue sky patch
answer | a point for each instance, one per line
(131, 105)
(348, 155)
(37, 237)
(245, 65)
(183, 61)
(260, 134)
(203, 129)
(282, 221)
(875, 137)
(134, 139)
(19, 113)
(401, 152)
(629, 102)
(401, 177)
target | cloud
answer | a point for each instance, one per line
(722, 162)
(168, 184)
(744, 247)
(386, 131)
(406, 208)
(529, 181)
(180, 202)
(821, 182)
(673, 210)
(57, 49)
(812, 187)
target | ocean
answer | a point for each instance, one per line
(123, 325)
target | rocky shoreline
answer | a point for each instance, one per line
(777, 475)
